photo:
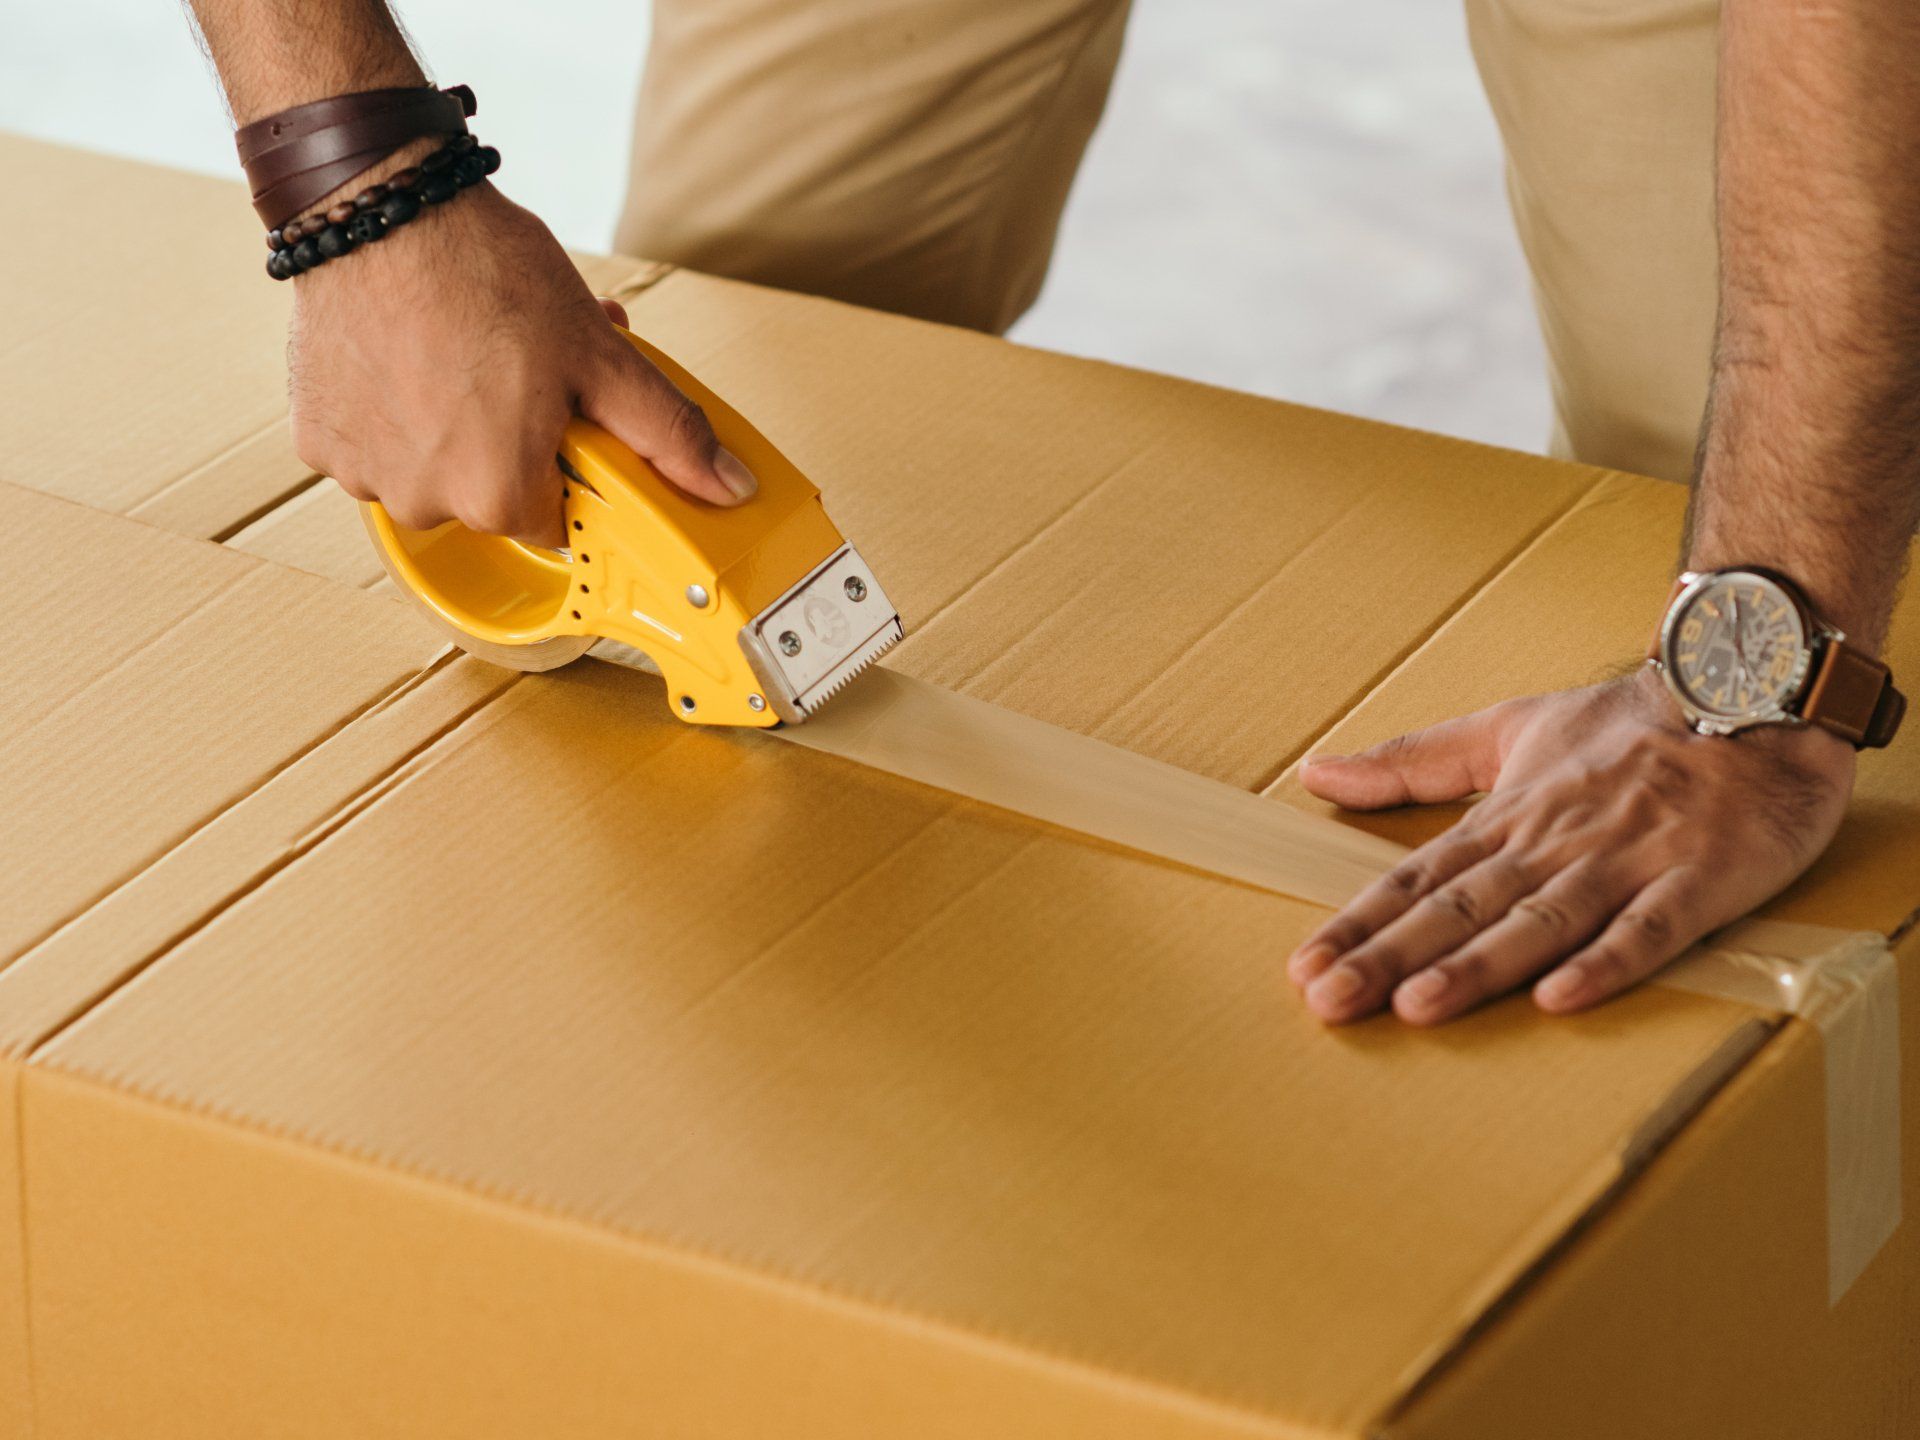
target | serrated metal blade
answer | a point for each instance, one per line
(806, 646)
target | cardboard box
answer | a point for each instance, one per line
(491, 1055)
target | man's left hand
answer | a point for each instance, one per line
(1610, 839)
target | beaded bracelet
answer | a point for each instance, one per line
(377, 211)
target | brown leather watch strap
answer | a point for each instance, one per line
(1853, 696)
(294, 158)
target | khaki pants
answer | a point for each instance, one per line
(915, 155)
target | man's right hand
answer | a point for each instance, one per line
(434, 371)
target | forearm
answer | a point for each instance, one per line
(1811, 455)
(274, 54)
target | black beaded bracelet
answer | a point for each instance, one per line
(377, 211)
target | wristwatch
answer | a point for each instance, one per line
(1742, 647)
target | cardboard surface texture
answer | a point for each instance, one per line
(395, 1046)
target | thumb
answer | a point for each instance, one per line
(629, 397)
(1449, 761)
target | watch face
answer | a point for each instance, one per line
(1737, 649)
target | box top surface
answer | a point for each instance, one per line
(811, 1021)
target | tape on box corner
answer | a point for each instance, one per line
(1846, 984)
(1843, 983)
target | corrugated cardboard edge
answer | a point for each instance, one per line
(1582, 1206)
(1179, 1412)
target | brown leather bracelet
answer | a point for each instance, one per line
(294, 158)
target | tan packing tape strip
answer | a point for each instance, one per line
(918, 731)
(1844, 983)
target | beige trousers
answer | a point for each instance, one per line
(915, 155)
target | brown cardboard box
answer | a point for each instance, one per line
(494, 1055)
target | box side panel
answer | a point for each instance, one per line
(1697, 1305)
(16, 1376)
(438, 1314)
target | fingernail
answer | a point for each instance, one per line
(734, 475)
(1308, 961)
(1325, 759)
(1562, 987)
(1425, 988)
(1336, 987)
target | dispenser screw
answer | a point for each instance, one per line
(856, 588)
(756, 702)
(789, 643)
(697, 596)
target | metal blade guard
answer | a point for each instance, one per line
(755, 615)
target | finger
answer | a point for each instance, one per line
(545, 522)
(616, 312)
(1553, 921)
(1663, 920)
(415, 512)
(1389, 897)
(1441, 921)
(631, 398)
(1449, 761)
(537, 515)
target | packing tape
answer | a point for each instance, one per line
(1843, 983)
(969, 747)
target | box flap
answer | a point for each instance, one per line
(155, 681)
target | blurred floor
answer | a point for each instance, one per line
(1295, 197)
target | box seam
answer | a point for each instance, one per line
(186, 477)
(262, 873)
(1527, 545)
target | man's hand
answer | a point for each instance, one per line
(1611, 838)
(434, 372)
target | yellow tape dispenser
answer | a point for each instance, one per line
(755, 615)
